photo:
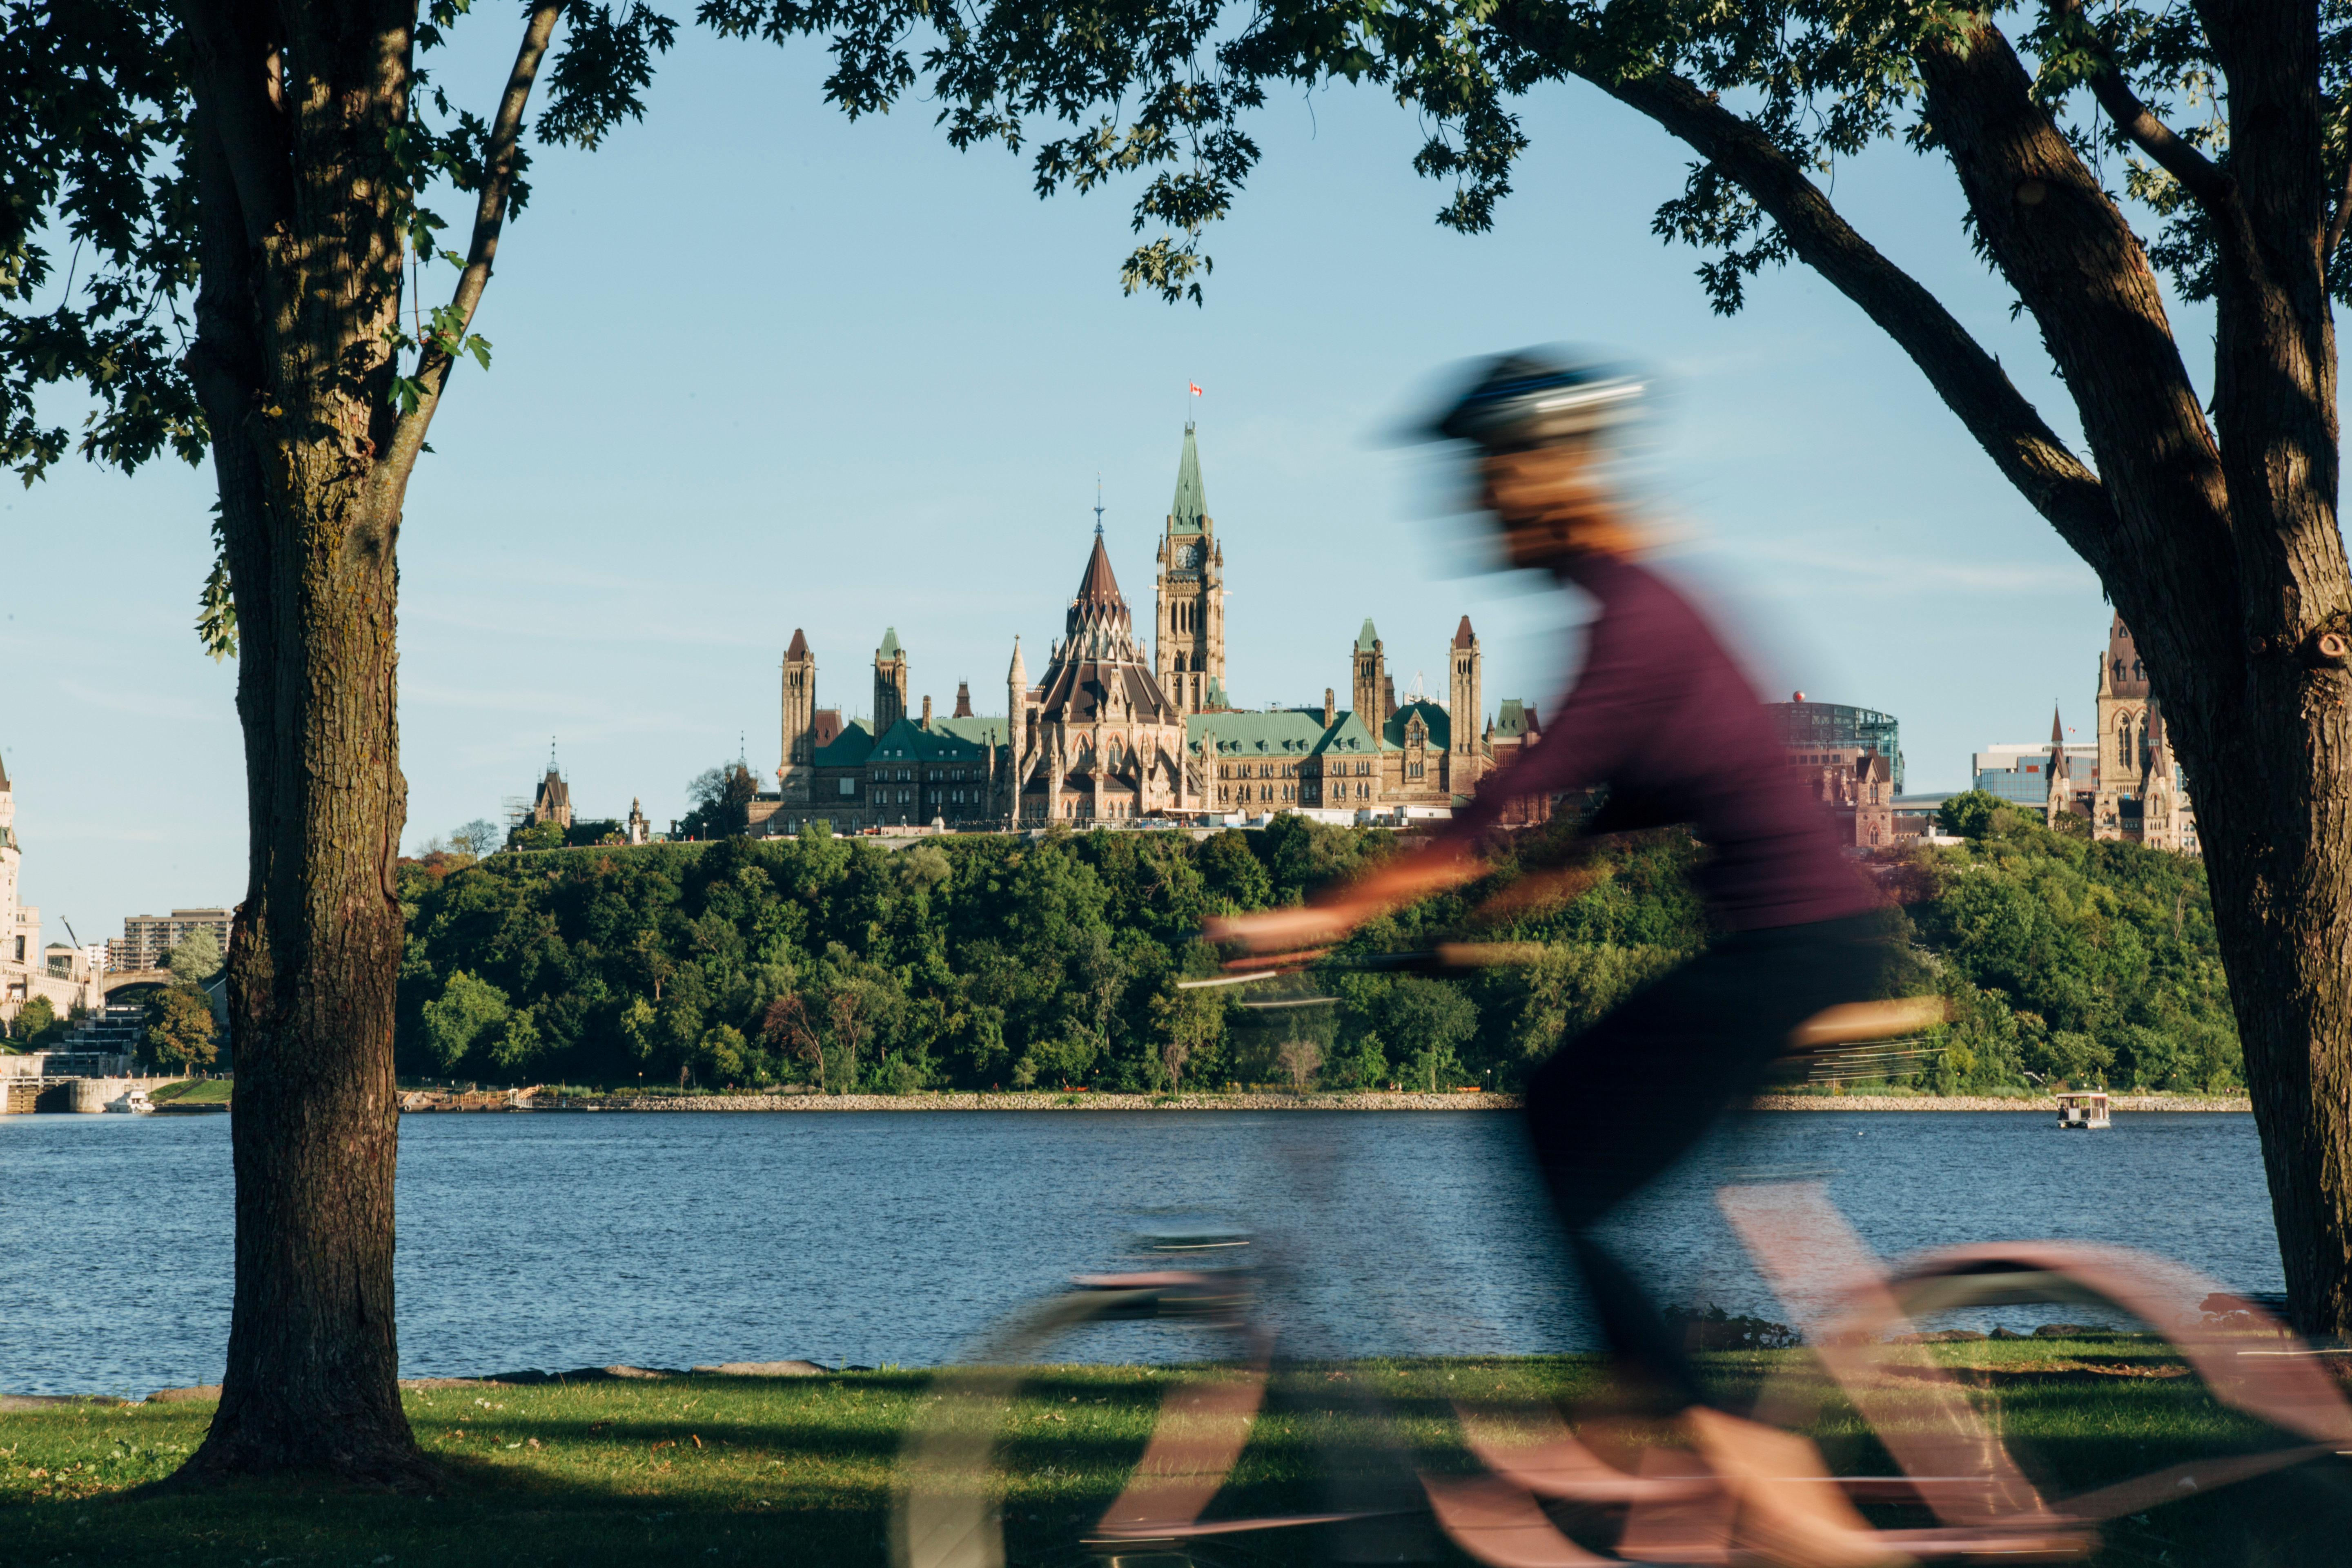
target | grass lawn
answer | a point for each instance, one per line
(195, 1092)
(797, 1471)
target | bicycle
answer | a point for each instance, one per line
(1949, 1458)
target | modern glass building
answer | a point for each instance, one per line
(2026, 784)
(1833, 725)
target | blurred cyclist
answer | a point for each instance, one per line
(1662, 718)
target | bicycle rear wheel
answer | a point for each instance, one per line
(949, 1510)
(2239, 1409)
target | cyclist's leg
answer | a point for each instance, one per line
(1623, 1102)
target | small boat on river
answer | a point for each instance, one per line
(131, 1102)
(2086, 1109)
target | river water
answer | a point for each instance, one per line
(558, 1241)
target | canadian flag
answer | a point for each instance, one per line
(1196, 388)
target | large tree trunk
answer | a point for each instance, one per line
(298, 204)
(2278, 849)
(312, 1356)
(2222, 551)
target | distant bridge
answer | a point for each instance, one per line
(133, 979)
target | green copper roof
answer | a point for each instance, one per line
(987, 729)
(889, 648)
(848, 749)
(1511, 719)
(907, 740)
(1367, 637)
(1190, 512)
(1433, 719)
(1288, 734)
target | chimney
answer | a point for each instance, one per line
(1330, 707)
(964, 699)
(927, 711)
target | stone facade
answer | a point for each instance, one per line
(798, 770)
(890, 681)
(1098, 739)
(1112, 732)
(25, 970)
(552, 801)
(2136, 792)
(1513, 730)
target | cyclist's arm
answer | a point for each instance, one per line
(1587, 744)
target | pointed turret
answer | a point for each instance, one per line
(1097, 611)
(798, 648)
(1369, 639)
(1463, 635)
(2057, 732)
(1100, 586)
(1189, 513)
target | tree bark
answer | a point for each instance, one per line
(298, 205)
(2225, 561)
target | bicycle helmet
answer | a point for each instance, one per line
(1536, 395)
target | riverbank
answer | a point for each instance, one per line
(548, 1100)
(708, 1469)
(2040, 1104)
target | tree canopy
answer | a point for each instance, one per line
(979, 961)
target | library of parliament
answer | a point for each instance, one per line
(1113, 730)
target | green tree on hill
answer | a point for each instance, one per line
(195, 959)
(180, 1028)
(720, 801)
(468, 1011)
(1001, 961)
(36, 1025)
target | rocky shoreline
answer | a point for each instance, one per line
(2040, 1103)
(545, 1099)
(14, 1404)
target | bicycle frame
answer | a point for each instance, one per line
(1946, 1457)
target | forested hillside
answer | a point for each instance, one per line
(976, 961)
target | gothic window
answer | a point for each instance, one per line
(849, 786)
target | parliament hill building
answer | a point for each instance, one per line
(1113, 730)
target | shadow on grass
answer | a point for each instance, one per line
(711, 1470)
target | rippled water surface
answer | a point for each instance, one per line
(568, 1240)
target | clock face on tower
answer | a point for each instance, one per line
(1189, 556)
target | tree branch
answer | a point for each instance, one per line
(440, 352)
(2067, 494)
(2336, 225)
(237, 81)
(2198, 176)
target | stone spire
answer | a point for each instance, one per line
(2061, 796)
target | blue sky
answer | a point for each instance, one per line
(760, 368)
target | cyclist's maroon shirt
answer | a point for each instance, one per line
(1662, 715)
